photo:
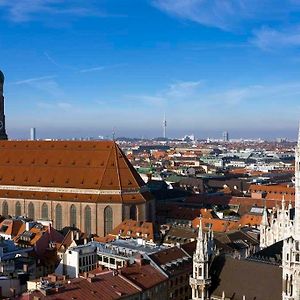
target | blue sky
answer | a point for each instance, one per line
(82, 68)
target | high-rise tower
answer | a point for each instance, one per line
(225, 136)
(165, 127)
(3, 135)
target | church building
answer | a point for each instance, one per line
(87, 184)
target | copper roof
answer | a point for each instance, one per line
(67, 164)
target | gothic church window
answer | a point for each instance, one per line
(31, 211)
(132, 213)
(73, 215)
(108, 220)
(58, 217)
(45, 211)
(18, 211)
(87, 220)
(5, 209)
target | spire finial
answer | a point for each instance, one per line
(264, 220)
(223, 295)
(200, 234)
(283, 201)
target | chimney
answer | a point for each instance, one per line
(92, 279)
(72, 235)
(13, 292)
(139, 260)
(49, 228)
(28, 226)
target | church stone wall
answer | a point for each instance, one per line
(97, 212)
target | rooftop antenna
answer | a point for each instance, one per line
(113, 134)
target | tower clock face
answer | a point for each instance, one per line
(1, 125)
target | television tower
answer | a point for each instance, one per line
(165, 127)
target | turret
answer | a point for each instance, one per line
(200, 279)
(264, 229)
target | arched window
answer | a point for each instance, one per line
(149, 211)
(87, 220)
(45, 211)
(18, 211)
(31, 211)
(108, 220)
(132, 213)
(4, 209)
(73, 215)
(58, 217)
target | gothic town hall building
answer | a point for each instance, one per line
(273, 273)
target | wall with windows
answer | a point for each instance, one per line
(95, 218)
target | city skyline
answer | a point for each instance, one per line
(210, 66)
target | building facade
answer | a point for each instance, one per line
(89, 185)
(291, 245)
(278, 227)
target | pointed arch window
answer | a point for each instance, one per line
(87, 220)
(73, 215)
(45, 211)
(31, 211)
(108, 220)
(4, 209)
(18, 210)
(149, 211)
(58, 217)
(132, 213)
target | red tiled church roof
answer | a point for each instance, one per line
(41, 168)
(67, 164)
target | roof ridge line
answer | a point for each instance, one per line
(117, 165)
(129, 166)
(99, 187)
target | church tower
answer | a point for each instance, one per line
(291, 245)
(3, 135)
(200, 279)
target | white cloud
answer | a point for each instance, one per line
(262, 93)
(26, 10)
(268, 38)
(54, 105)
(228, 14)
(101, 68)
(32, 80)
(180, 90)
(46, 84)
